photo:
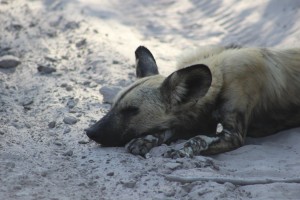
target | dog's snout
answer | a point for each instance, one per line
(90, 132)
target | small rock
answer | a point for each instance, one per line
(92, 183)
(27, 125)
(17, 187)
(68, 153)
(115, 62)
(172, 165)
(103, 188)
(9, 61)
(67, 130)
(45, 69)
(51, 33)
(2, 133)
(63, 85)
(81, 43)
(57, 143)
(83, 142)
(51, 58)
(81, 184)
(86, 83)
(16, 27)
(52, 124)
(10, 165)
(69, 88)
(70, 120)
(110, 174)
(44, 174)
(26, 101)
(72, 25)
(4, 2)
(129, 184)
(109, 93)
(89, 84)
(71, 103)
(170, 192)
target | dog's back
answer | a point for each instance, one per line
(263, 83)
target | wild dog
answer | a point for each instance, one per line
(246, 91)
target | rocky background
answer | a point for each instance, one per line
(61, 63)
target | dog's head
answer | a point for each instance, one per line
(152, 104)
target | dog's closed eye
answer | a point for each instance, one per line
(130, 110)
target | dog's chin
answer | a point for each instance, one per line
(112, 143)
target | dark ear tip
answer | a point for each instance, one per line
(142, 51)
(145, 62)
(141, 48)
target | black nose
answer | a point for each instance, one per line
(90, 132)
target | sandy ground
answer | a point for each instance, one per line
(69, 50)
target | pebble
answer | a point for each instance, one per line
(69, 88)
(89, 84)
(44, 174)
(64, 85)
(43, 69)
(81, 43)
(2, 133)
(26, 101)
(70, 120)
(9, 61)
(52, 124)
(67, 130)
(110, 174)
(72, 25)
(71, 103)
(129, 184)
(170, 192)
(115, 62)
(81, 184)
(51, 58)
(172, 165)
(27, 125)
(83, 142)
(57, 143)
(109, 93)
(68, 153)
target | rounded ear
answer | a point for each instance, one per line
(187, 84)
(145, 63)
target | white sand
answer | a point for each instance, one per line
(91, 45)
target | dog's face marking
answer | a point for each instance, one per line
(137, 110)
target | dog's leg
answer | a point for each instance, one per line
(230, 137)
(141, 146)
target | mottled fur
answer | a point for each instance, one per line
(249, 91)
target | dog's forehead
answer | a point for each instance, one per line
(137, 90)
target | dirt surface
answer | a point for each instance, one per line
(56, 56)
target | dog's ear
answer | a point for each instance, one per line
(186, 85)
(145, 63)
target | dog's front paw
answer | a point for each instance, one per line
(182, 153)
(141, 146)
